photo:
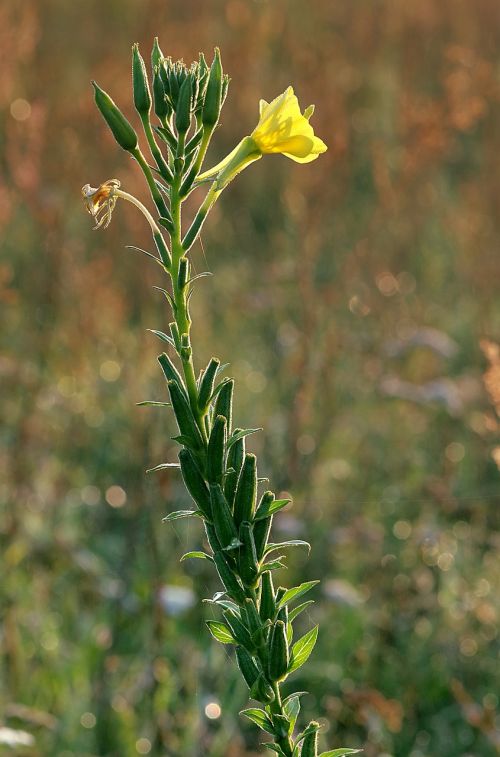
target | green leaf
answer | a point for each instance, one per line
(291, 709)
(302, 649)
(273, 565)
(184, 441)
(153, 403)
(226, 603)
(220, 632)
(163, 466)
(164, 337)
(339, 752)
(275, 748)
(270, 508)
(260, 718)
(145, 252)
(297, 610)
(234, 544)
(237, 435)
(199, 555)
(293, 543)
(296, 592)
(182, 514)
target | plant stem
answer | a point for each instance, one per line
(180, 296)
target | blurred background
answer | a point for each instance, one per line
(356, 300)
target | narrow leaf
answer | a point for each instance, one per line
(199, 555)
(145, 252)
(293, 543)
(296, 592)
(163, 466)
(302, 649)
(273, 565)
(182, 514)
(339, 752)
(226, 603)
(297, 610)
(153, 403)
(269, 508)
(260, 718)
(240, 434)
(164, 337)
(220, 632)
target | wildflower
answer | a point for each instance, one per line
(282, 128)
(101, 201)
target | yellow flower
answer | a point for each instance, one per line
(101, 201)
(282, 128)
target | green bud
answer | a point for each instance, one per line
(310, 742)
(247, 666)
(222, 518)
(267, 604)
(142, 95)
(254, 622)
(195, 483)
(183, 274)
(224, 403)
(207, 384)
(183, 108)
(234, 462)
(239, 630)
(279, 656)
(213, 94)
(121, 129)
(169, 370)
(161, 107)
(262, 690)
(186, 422)
(244, 499)
(156, 55)
(230, 581)
(261, 531)
(173, 85)
(215, 451)
(248, 565)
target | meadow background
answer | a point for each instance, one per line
(351, 297)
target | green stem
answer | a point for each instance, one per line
(155, 192)
(180, 296)
(155, 150)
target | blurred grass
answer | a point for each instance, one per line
(350, 297)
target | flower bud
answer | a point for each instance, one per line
(142, 95)
(161, 107)
(244, 499)
(310, 742)
(248, 565)
(213, 95)
(267, 604)
(262, 690)
(247, 666)
(224, 403)
(183, 107)
(207, 384)
(279, 657)
(231, 583)
(215, 451)
(223, 521)
(121, 129)
(156, 55)
(195, 483)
